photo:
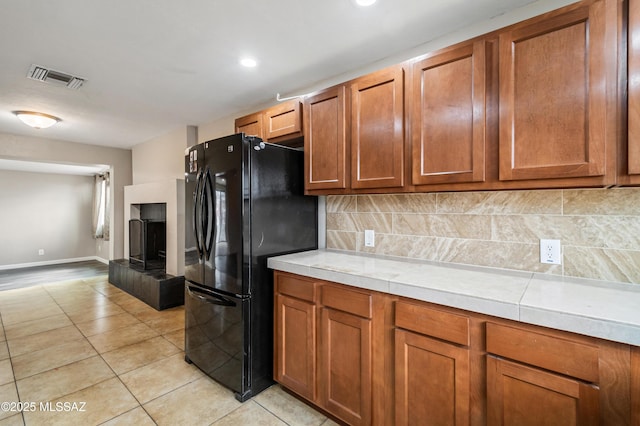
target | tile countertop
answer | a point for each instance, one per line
(594, 308)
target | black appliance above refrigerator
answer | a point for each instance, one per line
(245, 202)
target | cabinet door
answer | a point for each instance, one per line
(251, 125)
(295, 345)
(635, 385)
(283, 120)
(449, 126)
(432, 381)
(377, 130)
(634, 88)
(345, 366)
(520, 396)
(325, 140)
(553, 103)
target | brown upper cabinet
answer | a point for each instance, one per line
(449, 116)
(326, 148)
(558, 83)
(632, 160)
(354, 135)
(251, 125)
(279, 124)
(283, 120)
(377, 129)
(537, 104)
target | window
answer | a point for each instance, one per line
(101, 205)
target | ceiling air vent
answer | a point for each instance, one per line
(46, 75)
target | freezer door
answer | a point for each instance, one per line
(214, 336)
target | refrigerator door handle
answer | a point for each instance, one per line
(213, 299)
(197, 204)
(208, 218)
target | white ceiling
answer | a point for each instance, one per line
(153, 66)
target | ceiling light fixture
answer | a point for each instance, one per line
(248, 62)
(365, 2)
(36, 120)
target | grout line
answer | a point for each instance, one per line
(51, 295)
(15, 382)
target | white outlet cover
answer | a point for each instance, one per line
(369, 238)
(550, 252)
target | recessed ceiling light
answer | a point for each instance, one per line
(248, 62)
(36, 120)
(365, 2)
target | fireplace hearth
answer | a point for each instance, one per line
(161, 284)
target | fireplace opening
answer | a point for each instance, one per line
(147, 236)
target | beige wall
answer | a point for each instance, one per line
(48, 150)
(219, 128)
(158, 177)
(599, 229)
(162, 158)
(45, 211)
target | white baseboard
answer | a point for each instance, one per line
(54, 262)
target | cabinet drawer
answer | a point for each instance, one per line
(433, 322)
(295, 286)
(347, 300)
(563, 356)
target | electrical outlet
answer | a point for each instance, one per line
(550, 252)
(41, 252)
(369, 238)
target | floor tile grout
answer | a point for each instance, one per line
(100, 354)
(165, 328)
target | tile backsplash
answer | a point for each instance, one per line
(599, 229)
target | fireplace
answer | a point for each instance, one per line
(148, 236)
(159, 205)
(147, 243)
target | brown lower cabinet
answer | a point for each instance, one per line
(546, 381)
(432, 366)
(522, 395)
(345, 365)
(372, 358)
(295, 334)
(635, 386)
(432, 381)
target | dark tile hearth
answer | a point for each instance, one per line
(153, 286)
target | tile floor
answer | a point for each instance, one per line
(84, 352)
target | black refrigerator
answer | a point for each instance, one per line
(245, 202)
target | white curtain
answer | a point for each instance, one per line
(101, 197)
